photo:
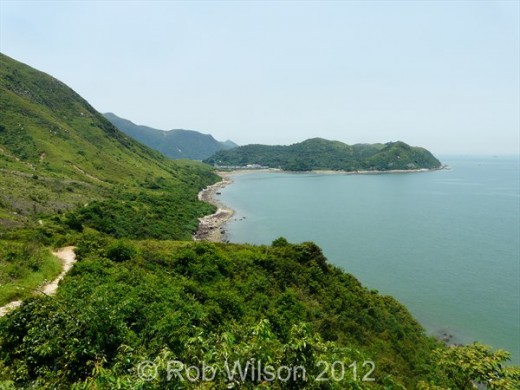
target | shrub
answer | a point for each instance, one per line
(120, 250)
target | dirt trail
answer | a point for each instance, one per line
(68, 258)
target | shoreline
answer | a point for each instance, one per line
(390, 171)
(443, 333)
(329, 171)
(211, 226)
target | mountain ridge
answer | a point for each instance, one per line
(175, 143)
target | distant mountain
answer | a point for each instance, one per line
(175, 144)
(321, 154)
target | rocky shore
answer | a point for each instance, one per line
(211, 226)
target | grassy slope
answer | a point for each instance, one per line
(52, 129)
(58, 153)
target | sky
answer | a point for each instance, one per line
(444, 75)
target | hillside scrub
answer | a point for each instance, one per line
(146, 296)
(57, 155)
(126, 302)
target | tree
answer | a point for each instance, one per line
(473, 364)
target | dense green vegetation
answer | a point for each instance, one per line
(126, 302)
(175, 144)
(147, 296)
(140, 293)
(321, 154)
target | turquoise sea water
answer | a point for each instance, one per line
(444, 243)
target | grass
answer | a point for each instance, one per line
(27, 194)
(46, 129)
(23, 268)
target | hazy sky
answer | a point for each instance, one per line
(443, 75)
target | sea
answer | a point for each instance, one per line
(445, 243)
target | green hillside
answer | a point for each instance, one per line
(176, 144)
(64, 167)
(321, 154)
(51, 129)
(143, 296)
(57, 152)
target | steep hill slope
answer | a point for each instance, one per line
(318, 153)
(176, 144)
(52, 129)
(57, 152)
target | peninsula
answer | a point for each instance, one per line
(321, 154)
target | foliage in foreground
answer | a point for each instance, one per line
(152, 295)
(467, 367)
(126, 302)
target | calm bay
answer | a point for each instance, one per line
(444, 243)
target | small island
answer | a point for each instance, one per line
(318, 154)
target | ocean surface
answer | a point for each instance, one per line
(444, 243)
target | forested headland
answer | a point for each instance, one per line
(322, 154)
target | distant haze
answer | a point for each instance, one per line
(442, 75)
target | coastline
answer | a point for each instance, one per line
(443, 331)
(329, 171)
(390, 171)
(211, 226)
